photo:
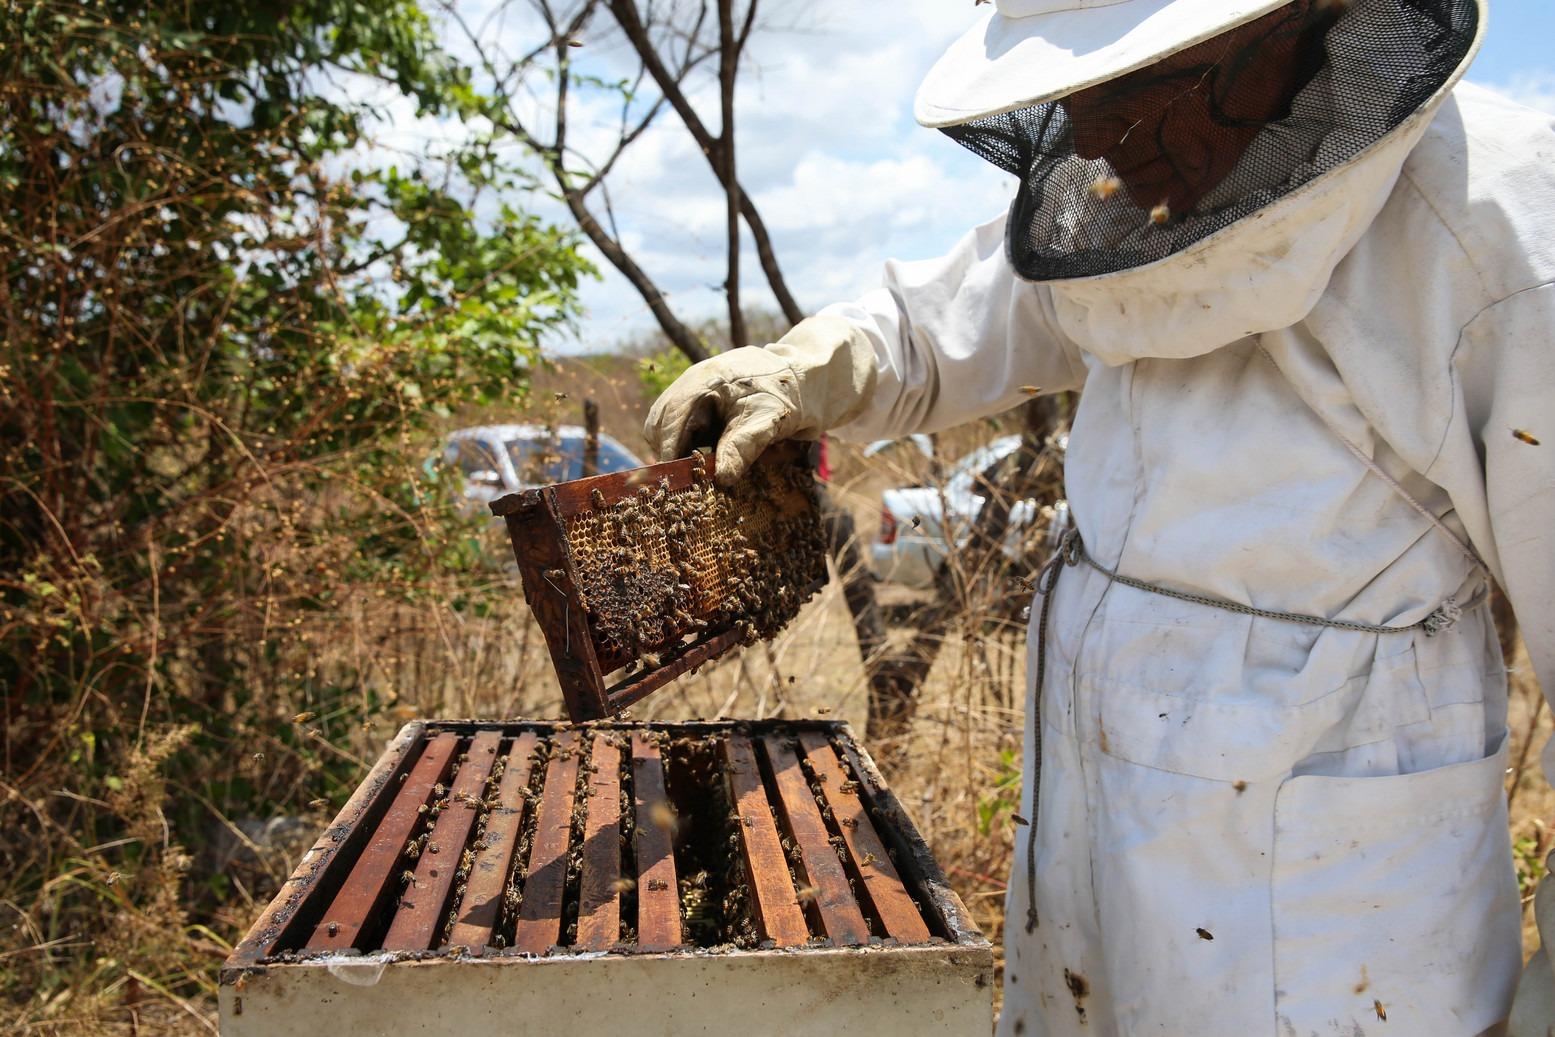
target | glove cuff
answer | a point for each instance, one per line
(833, 363)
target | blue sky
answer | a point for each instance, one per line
(1518, 47)
(844, 177)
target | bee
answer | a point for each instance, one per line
(597, 497)
(658, 885)
(917, 520)
(1031, 390)
(1381, 1009)
(303, 718)
(407, 877)
(561, 395)
(623, 885)
(318, 804)
(806, 894)
(1020, 820)
(1161, 215)
(822, 710)
(555, 574)
(113, 878)
(1240, 786)
(333, 928)
(1204, 934)
(1104, 187)
(259, 757)
(1525, 437)
(663, 817)
(868, 859)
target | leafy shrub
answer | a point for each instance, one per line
(226, 340)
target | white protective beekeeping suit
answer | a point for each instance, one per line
(1332, 396)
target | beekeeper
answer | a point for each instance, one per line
(1303, 279)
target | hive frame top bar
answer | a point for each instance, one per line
(537, 522)
(297, 908)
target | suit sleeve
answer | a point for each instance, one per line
(1507, 374)
(956, 339)
(1506, 371)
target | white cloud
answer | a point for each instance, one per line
(1534, 89)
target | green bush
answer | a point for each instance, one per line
(226, 342)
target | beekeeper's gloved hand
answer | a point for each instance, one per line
(817, 377)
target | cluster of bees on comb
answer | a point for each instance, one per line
(662, 564)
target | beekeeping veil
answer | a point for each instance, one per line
(1146, 130)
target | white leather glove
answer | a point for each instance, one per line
(817, 377)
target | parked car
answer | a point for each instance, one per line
(912, 553)
(496, 460)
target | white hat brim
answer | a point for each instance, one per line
(1005, 63)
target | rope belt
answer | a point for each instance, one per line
(1071, 552)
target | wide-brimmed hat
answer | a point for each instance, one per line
(1024, 52)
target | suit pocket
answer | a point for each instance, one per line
(1394, 897)
(1253, 732)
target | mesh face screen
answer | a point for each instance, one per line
(1138, 168)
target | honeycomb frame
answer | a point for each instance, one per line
(655, 571)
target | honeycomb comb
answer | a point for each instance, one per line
(658, 570)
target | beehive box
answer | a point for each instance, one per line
(613, 877)
(636, 577)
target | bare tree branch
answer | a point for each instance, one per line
(625, 12)
(571, 187)
(745, 29)
(728, 65)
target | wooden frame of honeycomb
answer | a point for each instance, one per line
(653, 572)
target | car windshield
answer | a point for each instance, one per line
(975, 463)
(540, 461)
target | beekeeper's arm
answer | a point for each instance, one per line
(944, 341)
(1506, 374)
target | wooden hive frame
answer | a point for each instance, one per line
(551, 566)
(475, 845)
(460, 819)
